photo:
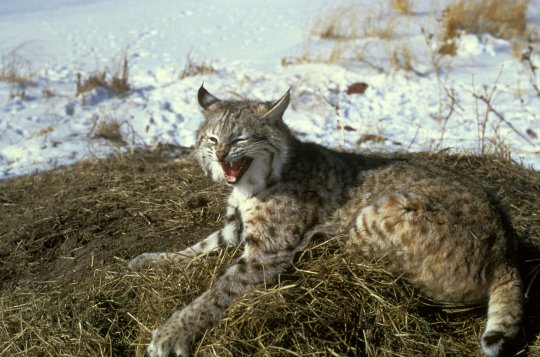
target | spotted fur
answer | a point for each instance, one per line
(444, 233)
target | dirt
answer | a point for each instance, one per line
(72, 221)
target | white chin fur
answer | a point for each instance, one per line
(257, 172)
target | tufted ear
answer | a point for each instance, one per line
(205, 98)
(279, 107)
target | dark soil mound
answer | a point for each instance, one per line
(67, 235)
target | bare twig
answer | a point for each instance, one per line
(453, 103)
(487, 101)
(526, 58)
(488, 97)
(335, 106)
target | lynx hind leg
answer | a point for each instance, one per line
(395, 220)
(505, 311)
(228, 235)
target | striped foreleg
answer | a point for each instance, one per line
(227, 236)
(178, 333)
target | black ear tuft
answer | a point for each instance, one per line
(205, 98)
(279, 107)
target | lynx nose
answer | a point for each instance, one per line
(221, 154)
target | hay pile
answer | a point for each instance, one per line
(66, 237)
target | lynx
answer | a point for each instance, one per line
(446, 235)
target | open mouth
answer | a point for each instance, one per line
(233, 170)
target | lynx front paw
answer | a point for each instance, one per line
(144, 260)
(167, 342)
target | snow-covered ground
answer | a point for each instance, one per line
(257, 49)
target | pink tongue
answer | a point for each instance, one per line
(231, 170)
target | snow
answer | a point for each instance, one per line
(257, 49)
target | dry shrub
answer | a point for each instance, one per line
(337, 52)
(48, 93)
(379, 24)
(194, 67)
(18, 93)
(402, 58)
(399, 58)
(119, 80)
(116, 82)
(403, 7)
(310, 56)
(361, 57)
(495, 143)
(505, 19)
(341, 23)
(66, 237)
(370, 138)
(352, 22)
(42, 132)
(526, 58)
(448, 47)
(109, 129)
(15, 69)
(96, 80)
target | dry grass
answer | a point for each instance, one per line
(109, 129)
(336, 53)
(344, 25)
(65, 290)
(341, 23)
(116, 82)
(531, 68)
(379, 24)
(505, 19)
(15, 69)
(194, 67)
(48, 93)
(308, 56)
(402, 58)
(42, 132)
(403, 7)
(347, 24)
(18, 93)
(494, 144)
(369, 138)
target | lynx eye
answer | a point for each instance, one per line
(213, 139)
(238, 141)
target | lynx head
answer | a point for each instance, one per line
(243, 143)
